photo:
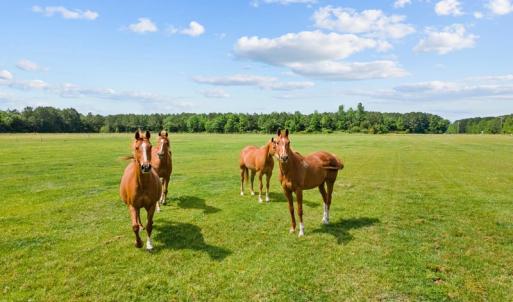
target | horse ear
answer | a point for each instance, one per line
(160, 133)
(286, 132)
(137, 135)
(147, 134)
(278, 133)
(166, 133)
(272, 139)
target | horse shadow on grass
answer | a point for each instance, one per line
(181, 236)
(193, 202)
(280, 197)
(341, 229)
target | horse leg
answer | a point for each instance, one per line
(299, 200)
(267, 178)
(288, 194)
(325, 217)
(260, 187)
(165, 184)
(139, 222)
(149, 227)
(329, 186)
(252, 180)
(135, 226)
(158, 206)
(242, 172)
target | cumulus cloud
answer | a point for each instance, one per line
(341, 71)
(478, 15)
(450, 39)
(66, 13)
(306, 46)
(27, 65)
(195, 29)
(143, 26)
(401, 3)
(216, 93)
(318, 55)
(266, 83)
(257, 3)
(448, 8)
(5, 75)
(500, 7)
(371, 22)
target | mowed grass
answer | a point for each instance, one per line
(414, 218)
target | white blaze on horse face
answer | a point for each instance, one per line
(144, 148)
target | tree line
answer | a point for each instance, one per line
(357, 120)
(488, 125)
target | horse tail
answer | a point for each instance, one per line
(335, 164)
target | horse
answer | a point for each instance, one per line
(140, 187)
(298, 173)
(161, 161)
(257, 160)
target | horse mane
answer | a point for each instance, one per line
(126, 157)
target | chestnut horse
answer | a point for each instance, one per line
(162, 163)
(140, 186)
(257, 160)
(298, 173)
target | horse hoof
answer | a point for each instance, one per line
(292, 230)
(301, 234)
(267, 199)
(241, 193)
(139, 244)
(252, 193)
(260, 200)
(325, 221)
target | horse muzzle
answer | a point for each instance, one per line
(283, 158)
(145, 168)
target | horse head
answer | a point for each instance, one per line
(163, 144)
(282, 145)
(142, 151)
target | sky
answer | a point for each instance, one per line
(447, 57)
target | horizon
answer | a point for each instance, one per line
(445, 57)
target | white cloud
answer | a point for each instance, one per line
(65, 13)
(27, 65)
(342, 71)
(372, 22)
(25, 85)
(478, 15)
(401, 3)
(500, 7)
(216, 93)
(494, 86)
(318, 55)
(257, 3)
(448, 7)
(450, 39)
(306, 46)
(195, 29)
(144, 25)
(5, 75)
(266, 83)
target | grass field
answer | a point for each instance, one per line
(414, 218)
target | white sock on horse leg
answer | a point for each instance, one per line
(149, 244)
(301, 229)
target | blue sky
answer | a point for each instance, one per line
(449, 57)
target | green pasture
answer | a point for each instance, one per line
(414, 218)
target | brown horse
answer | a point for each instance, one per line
(162, 163)
(298, 173)
(140, 186)
(257, 160)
